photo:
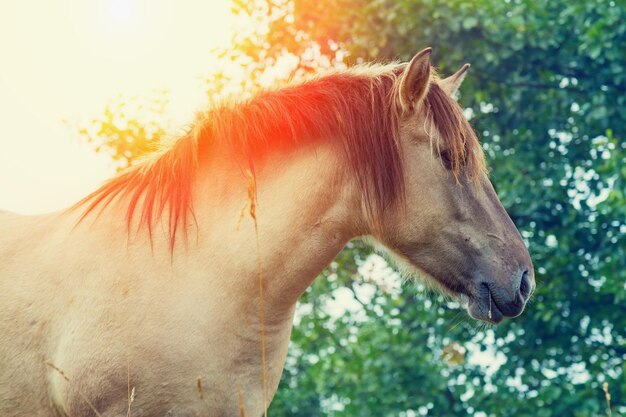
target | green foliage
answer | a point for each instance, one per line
(546, 94)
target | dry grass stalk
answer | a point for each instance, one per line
(242, 409)
(252, 199)
(607, 396)
(131, 392)
(131, 399)
(51, 365)
(199, 387)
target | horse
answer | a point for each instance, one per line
(171, 290)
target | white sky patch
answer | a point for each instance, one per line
(344, 302)
(376, 275)
(67, 59)
(120, 11)
(377, 270)
(490, 359)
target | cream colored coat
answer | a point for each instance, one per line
(98, 305)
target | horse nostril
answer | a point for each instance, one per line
(525, 287)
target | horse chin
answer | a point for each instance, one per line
(478, 307)
(479, 303)
(463, 299)
(481, 306)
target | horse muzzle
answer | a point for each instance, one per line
(492, 302)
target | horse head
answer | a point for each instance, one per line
(451, 226)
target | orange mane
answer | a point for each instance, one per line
(356, 109)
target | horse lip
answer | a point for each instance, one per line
(481, 305)
(484, 307)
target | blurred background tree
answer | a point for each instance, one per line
(546, 93)
(129, 127)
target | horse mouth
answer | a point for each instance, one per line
(483, 307)
(480, 301)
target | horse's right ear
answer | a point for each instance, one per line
(415, 79)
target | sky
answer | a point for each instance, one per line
(62, 61)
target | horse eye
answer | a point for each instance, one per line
(445, 158)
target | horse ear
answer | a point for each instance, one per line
(415, 79)
(451, 84)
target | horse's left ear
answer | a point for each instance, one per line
(415, 79)
(451, 84)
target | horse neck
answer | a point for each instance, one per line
(306, 210)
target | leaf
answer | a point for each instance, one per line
(470, 22)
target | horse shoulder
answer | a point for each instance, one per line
(24, 317)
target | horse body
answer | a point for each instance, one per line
(22, 315)
(100, 300)
(102, 308)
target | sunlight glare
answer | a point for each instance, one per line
(67, 60)
(119, 10)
